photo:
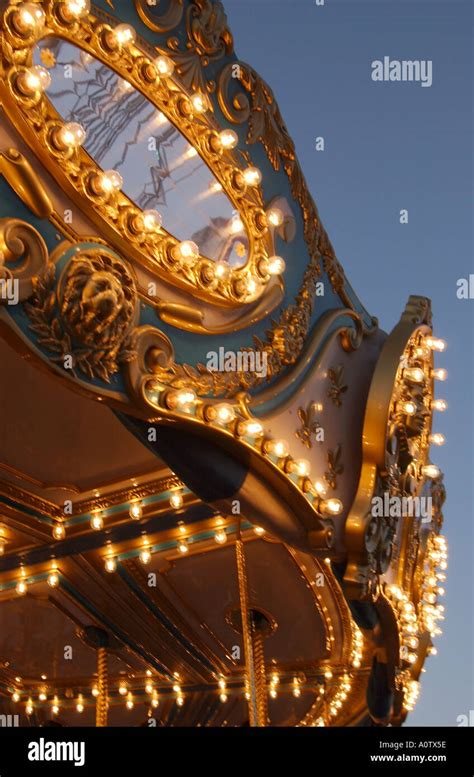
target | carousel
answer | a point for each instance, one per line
(218, 505)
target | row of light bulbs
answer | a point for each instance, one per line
(224, 414)
(36, 79)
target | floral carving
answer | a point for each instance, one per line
(335, 467)
(309, 424)
(337, 387)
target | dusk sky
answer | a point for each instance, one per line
(391, 146)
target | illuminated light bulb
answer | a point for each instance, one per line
(411, 658)
(71, 135)
(129, 703)
(135, 511)
(75, 9)
(439, 373)
(21, 588)
(42, 696)
(225, 413)
(275, 217)
(278, 448)
(356, 663)
(223, 697)
(228, 139)
(301, 467)
(152, 220)
(28, 18)
(55, 707)
(434, 343)
(430, 471)
(186, 252)
(437, 438)
(149, 688)
(440, 591)
(181, 399)
(59, 532)
(123, 690)
(176, 501)
(220, 536)
(275, 265)
(124, 34)
(408, 407)
(35, 79)
(251, 428)
(155, 702)
(221, 270)
(95, 691)
(236, 225)
(319, 487)
(200, 103)
(80, 704)
(164, 66)
(414, 374)
(252, 176)
(110, 564)
(331, 506)
(273, 693)
(259, 531)
(439, 404)
(53, 579)
(251, 285)
(29, 707)
(412, 642)
(145, 556)
(328, 674)
(110, 181)
(97, 522)
(15, 696)
(180, 701)
(183, 546)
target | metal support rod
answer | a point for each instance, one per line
(246, 632)
(102, 685)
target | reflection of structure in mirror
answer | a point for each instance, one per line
(160, 169)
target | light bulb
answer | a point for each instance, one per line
(221, 270)
(53, 579)
(275, 265)
(110, 564)
(21, 588)
(301, 467)
(228, 138)
(42, 696)
(186, 252)
(278, 448)
(273, 693)
(29, 18)
(252, 176)
(124, 34)
(296, 692)
(434, 343)
(35, 79)
(15, 696)
(29, 708)
(414, 374)
(223, 697)
(331, 506)
(109, 181)
(176, 501)
(183, 546)
(145, 556)
(251, 428)
(439, 404)
(275, 217)
(251, 285)
(439, 373)
(123, 690)
(155, 702)
(225, 413)
(430, 471)
(97, 522)
(181, 399)
(59, 532)
(80, 705)
(75, 9)
(149, 688)
(164, 66)
(180, 701)
(55, 708)
(437, 438)
(220, 536)
(130, 702)
(408, 407)
(71, 135)
(319, 487)
(199, 102)
(236, 225)
(95, 691)
(259, 531)
(152, 220)
(135, 511)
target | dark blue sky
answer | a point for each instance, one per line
(390, 146)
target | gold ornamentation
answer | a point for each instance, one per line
(115, 214)
(20, 241)
(335, 467)
(337, 387)
(165, 21)
(25, 182)
(309, 424)
(89, 317)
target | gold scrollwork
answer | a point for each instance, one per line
(22, 245)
